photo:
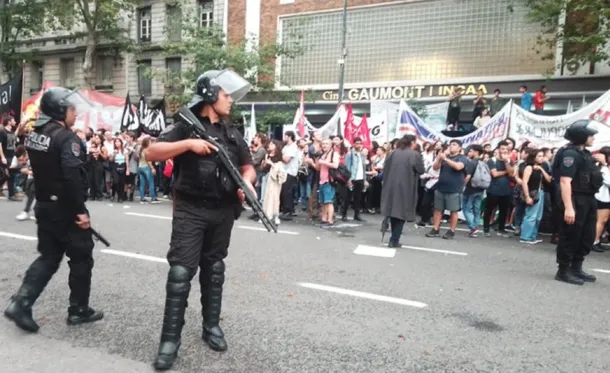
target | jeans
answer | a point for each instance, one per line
(304, 192)
(396, 225)
(471, 206)
(531, 220)
(146, 176)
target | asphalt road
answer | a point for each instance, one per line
(314, 300)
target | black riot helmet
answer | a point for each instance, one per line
(579, 131)
(55, 103)
(211, 82)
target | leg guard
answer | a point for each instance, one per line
(212, 277)
(177, 288)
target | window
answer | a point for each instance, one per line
(174, 23)
(66, 73)
(145, 22)
(144, 77)
(206, 13)
(105, 71)
(173, 69)
(36, 76)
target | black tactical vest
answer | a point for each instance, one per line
(44, 146)
(588, 178)
(205, 177)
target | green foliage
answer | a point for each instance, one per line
(581, 27)
(105, 24)
(18, 20)
(205, 49)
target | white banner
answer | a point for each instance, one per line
(378, 128)
(436, 116)
(388, 112)
(549, 130)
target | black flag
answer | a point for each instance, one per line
(130, 120)
(10, 98)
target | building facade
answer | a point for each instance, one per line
(155, 22)
(409, 49)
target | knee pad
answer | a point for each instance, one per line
(216, 272)
(179, 280)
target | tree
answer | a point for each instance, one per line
(104, 22)
(580, 27)
(204, 48)
(19, 20)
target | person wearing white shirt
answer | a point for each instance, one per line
(602, 197)
(290, 157)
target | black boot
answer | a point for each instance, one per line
(79, 281)
(177, 288)
(564, 274)
(211, 279)
(36, 278)
(578, 272)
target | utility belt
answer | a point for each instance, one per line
(202, 201)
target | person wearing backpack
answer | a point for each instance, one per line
(478, 178)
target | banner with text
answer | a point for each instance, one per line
(383, 112)
(10, 98)
(549, 130)
(494, 131)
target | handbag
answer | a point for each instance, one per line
(534, 195)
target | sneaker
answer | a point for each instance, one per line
(510, 228)
(596, 247)
(486, 234)
(277, 220)
(420, 224)
(433, 233)
(165, 196)
(143, 200)
(503, 234)
(449, 235)
(474, 232)
(528, 242)
(155, 201)
(23, 216)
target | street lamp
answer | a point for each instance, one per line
(341, 61)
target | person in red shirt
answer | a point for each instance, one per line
(539, 99)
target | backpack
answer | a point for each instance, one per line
(481, 178)
(339, 175)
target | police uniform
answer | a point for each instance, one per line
(55, 156)
(576, 240)
(205, 207)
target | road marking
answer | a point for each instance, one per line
(18, 236)
(375, 251)
(149, 216)
(601, 270)
(134, 255)
(360, 294)
(592, 335)
(260, 229)
(447, 252)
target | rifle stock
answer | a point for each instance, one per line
(99, 237)
(186, 115)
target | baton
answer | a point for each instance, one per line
(99, 237)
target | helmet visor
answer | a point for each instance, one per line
(233, 84)
(592, 129)
(78, 102)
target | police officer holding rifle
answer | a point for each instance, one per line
(207, 200)
(55, 154)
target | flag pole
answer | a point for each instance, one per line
(342, 60)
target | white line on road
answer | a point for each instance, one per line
(601, 270)
(447, 252)
(134, 255)
(265, 230)
(239, 226)
(149, 216)
(375, 251)
(18, 236)
(360, 294)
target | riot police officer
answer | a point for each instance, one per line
(579, 179)
(206, 203)
(62, 218)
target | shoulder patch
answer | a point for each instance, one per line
(75, 149)
(568, 161)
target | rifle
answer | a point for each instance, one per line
(99, 237)
(190, 119)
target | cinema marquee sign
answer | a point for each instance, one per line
(402, 92)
